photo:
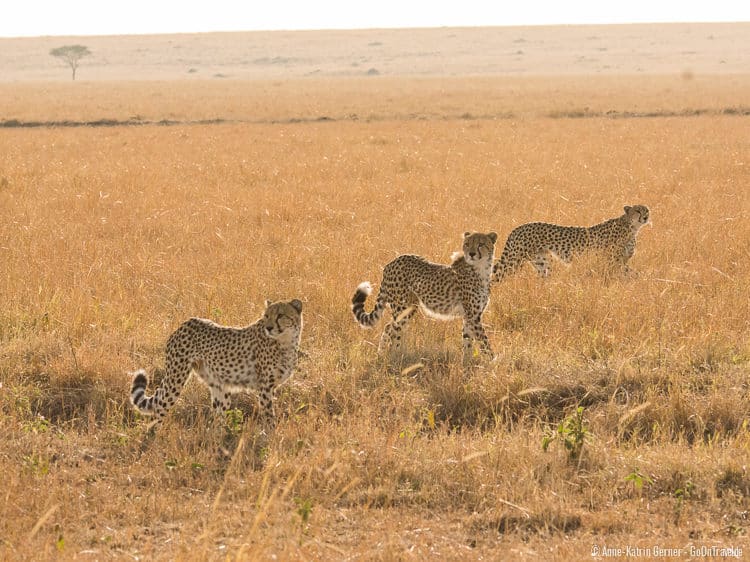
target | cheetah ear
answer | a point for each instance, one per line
(493, 236)
(467, 234)
(627, 209)
(296, 305)
(268, 303)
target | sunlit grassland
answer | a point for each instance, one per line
(373, 98)
(110, 237)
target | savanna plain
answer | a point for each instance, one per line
(615, 413)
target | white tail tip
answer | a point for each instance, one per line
(365, 287)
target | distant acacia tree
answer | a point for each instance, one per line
(71, 54)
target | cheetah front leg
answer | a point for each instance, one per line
(618, 260)
(629, 249)
(473, 330)
(266, 392)
(265, 398)
(627, 253)
(219, 401)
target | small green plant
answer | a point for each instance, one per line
(120, 439)
(407, 433)
(681, 494)
(235, 419)
(686, 492)
(38, 425)
(572, 432)
(304, 509)
(638, 479)
(263, 453)
(37, 464)
(428, 418)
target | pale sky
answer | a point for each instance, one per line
(21, 18)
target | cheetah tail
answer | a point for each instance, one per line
(503, 266)
(138, 397)
(500, 269)
(358, 306)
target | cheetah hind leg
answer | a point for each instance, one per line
(506, 266)
(392, 333)
(177, 372)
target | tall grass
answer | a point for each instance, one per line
(111, 237)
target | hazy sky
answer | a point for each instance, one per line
(102, 17)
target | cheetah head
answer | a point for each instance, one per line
(283, 319)
(638, 215)
(479, 247)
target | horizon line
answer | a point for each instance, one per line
(393, 28)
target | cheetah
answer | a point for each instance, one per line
(535, 242)
(460, 289)
(257, 357)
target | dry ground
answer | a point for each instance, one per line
(111, 236)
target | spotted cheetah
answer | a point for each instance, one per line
(535, 242)
(257, 357)
(460, 289)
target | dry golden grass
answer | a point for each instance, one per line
(110, 237)
(375, 98)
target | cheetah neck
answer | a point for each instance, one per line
(290, 340)
(482, 269)
(621, 222)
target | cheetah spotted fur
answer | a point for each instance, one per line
(258, 357)
(537, 242)
(460, 289)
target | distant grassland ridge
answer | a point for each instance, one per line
(575, 114)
